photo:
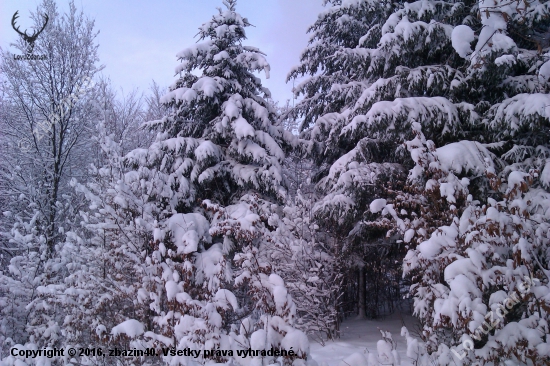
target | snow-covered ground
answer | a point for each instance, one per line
(362, 336)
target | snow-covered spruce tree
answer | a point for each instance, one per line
(479, 270)
(233, 166)
(205, 194)
(45, 142)
(375, 66)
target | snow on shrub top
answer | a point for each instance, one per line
(131, 328)
(188, 230)
(461, 38)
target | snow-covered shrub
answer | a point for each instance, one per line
(468, 258)
(304, 258)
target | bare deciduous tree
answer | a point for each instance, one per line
(47, 121)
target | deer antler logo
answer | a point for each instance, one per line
(29, 39)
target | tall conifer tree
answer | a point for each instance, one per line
(196, 211)
(375, 68)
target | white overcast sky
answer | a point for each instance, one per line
(139, 39)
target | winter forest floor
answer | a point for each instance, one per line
(361, 336)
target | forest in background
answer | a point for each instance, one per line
(412, 175)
